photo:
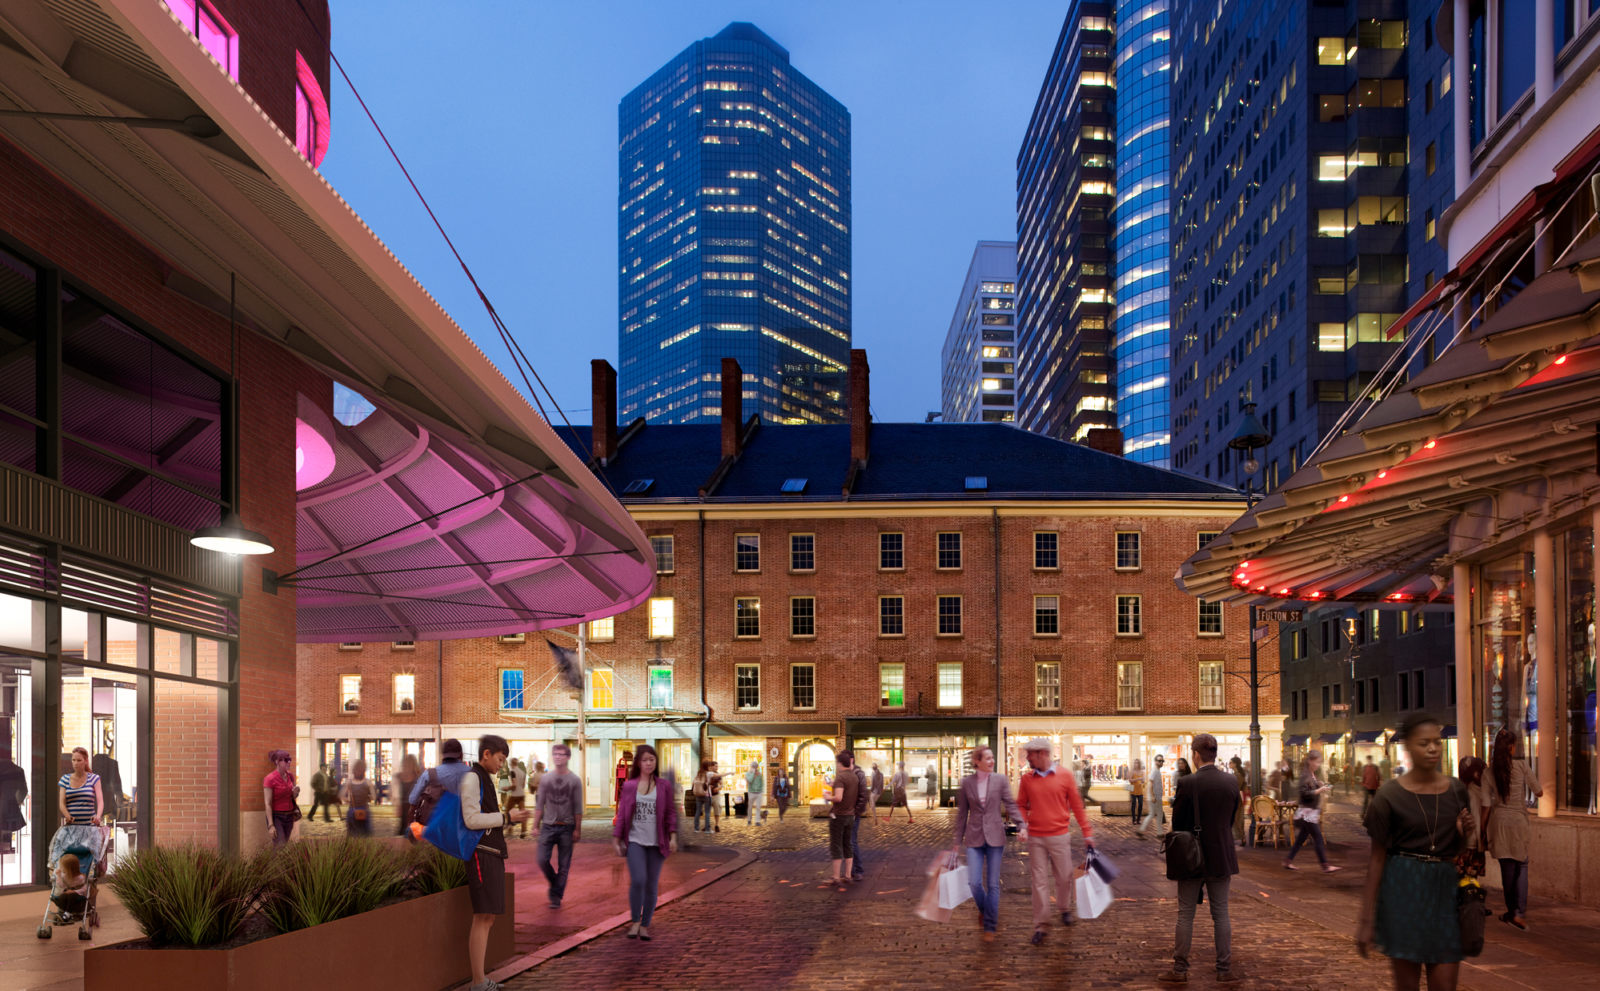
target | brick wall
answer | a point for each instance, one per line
(185, 763)
(270, 33)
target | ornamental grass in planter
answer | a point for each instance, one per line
(189, 895)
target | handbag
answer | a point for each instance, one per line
(1100, 864)
(1469, 915)
(1185, 861)
(1093, 894)
(954, 888)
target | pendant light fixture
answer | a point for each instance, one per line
(232, 537)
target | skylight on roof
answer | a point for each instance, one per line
(977, 483)
(637, 486)
(794, 486)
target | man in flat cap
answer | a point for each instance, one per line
(1049, 799)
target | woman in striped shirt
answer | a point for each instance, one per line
(80, 791)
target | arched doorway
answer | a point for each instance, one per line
(813, 759)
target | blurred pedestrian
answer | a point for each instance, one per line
(1417, 822)
(357, 794)
(1204, 802)
(781, 792)
(1308, 815)
(841, 817)
(1369, 784)
(320, 794)
(279, 790)
(1158, 788)
(1049, 799)
(516, 791)
(558, 819)
(702, 796)
(755, 794)
(1236, 768)
(863, 796)
(404, 780)
(897, 791)
(981, 799)
(1509, 784)
(644, 831)
(930, 789)
(486, 871)
(1473, 772)
(876, 789)
(1183, 771)
(1136, 783)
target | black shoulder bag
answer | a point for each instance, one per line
(1185, 862)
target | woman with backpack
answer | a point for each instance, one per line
(356, 793)
(644, 830)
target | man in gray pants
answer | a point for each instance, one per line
(1205, 802)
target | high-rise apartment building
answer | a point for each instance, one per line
(978, 363)
(1141, 229)
(1065, 197)
(1293, 179)
(733, 235)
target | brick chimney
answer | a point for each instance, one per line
(732, 406)
(860, 406)
(603, 405)
(1107, 439)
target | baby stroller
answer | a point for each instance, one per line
(92, 846)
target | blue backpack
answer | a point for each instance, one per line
(448, 831)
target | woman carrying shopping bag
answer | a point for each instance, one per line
(980, 802)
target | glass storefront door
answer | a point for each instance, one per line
(1506, 637)
(18, 791)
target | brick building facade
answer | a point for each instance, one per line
(948, 585)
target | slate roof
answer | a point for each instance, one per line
(907, 461)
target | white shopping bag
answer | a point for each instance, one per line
(953, 887)
(1094, 895)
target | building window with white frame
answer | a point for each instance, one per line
(602, 689)
(802, 552)
(802, 686)
(603, 629)
(891, 552)
(1204, 537)
(349, 694)
(747, 552)
(1211, 688)
(1046, 615)
(1127, 550)
(949, 551)
(891, 616)
(802, 616)
(666, 558)
(747, 617)
(1130, 685)
(747, 686)
(1046, 550)
(661, 618)
(511, 688)
(405, 693)
(949, 684)
(949, 615)
(891, 686)
(1130, 623)
(1210, 618)
(1047, 685)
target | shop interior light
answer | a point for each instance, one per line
(231, 538)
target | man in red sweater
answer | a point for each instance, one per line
(1049, 798)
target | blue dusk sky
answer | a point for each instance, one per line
(506, 115)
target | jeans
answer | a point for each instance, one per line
(283, 825)
(1305, 829)
(1135, 807)
(855, 847)
(1366, 800)
(1216, 889)
(558, 836)
(644, 878)
(985, 886)
(1157, 814)
(361, 826)
(1514, 878)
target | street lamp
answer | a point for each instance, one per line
(1350, 624)
(1250, 436)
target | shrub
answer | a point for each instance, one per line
(321, 881)
(188, 895)
(433, 871)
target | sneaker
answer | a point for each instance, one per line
(1331, 869)
(1173, 977)
(555, 902)
(487, 985)
(633, 931)
(1289, 867)
(1228, 977)
(1066, 918)
(1038, 937)
(644, 933)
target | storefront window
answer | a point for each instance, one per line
(1580, 635)
(99, 712)
(1510, 671)
(17, 788)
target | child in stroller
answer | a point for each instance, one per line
(77, 862)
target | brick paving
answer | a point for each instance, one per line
(773, 924)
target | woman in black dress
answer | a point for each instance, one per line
(1418, 823)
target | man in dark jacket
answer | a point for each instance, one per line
(864, 795)
(1205, 802)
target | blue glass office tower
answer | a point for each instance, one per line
(733, 236)
(1140, 230)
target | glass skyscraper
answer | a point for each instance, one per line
(1140, 229)
(733, 236)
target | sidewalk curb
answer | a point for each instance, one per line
(518, 965)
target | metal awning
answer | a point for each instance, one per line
(1369, 735)
(1492, 440)
(1296, 739)
(384, 550)
(1327, 738)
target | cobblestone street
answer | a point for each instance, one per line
(774, 924)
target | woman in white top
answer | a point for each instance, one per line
(1506, 788)
(644, 831)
